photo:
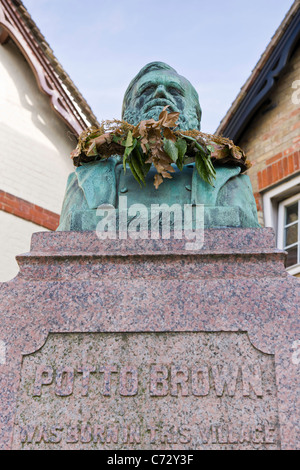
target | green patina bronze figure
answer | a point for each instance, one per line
(229, 203)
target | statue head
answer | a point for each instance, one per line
(156, 86)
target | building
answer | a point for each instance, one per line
(41, 114)
(265, 121)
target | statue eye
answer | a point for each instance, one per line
(148, 89)
(175, 91)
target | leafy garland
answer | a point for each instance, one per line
(159, 143)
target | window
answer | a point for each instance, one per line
(288, 231)
(282, 213)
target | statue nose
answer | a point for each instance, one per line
(160, 92)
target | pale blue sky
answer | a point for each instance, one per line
(102, 44)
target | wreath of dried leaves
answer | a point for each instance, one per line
(159, 143)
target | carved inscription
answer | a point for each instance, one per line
(147, 391)
(163, 381)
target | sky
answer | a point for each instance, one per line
(102, 44)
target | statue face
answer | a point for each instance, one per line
(159, 88)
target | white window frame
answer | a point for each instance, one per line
(273, 200)
(281, 227)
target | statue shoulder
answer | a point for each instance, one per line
(97, 182)
(204, 193)
(231, 189)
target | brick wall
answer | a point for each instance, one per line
(278, 168)
(28, 211)
(272, 139)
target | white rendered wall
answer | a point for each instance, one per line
(35, 147)
(35, 144)
(15, 237)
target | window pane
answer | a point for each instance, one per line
(291, 213)
(291, 235)
(292, 257)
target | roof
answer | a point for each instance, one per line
(65, 98)
(262, 79)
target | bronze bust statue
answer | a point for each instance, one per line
(230, 203)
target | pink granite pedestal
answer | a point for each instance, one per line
(141, 344)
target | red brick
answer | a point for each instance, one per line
(54, 219)
(288, 151)
(10, 200)
(295, 113)
(297, 160)
(273, 159)
(269, 175)
(267, 136)
(291, 164)
(280, 169)
(257, 197)
(296, 126)
(285, 167)
(275, 176)
(259, 176)
(5, 207)
(5, 196)
(28, 211)
(24, 208)
(264, 179)
(52, 225)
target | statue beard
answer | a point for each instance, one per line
(187, 120)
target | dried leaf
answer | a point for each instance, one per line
(157, 180)
(168, 134)
(76, 152)
(220, 152)
(168, 119)
(92, 150)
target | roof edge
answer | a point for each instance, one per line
(263, 76)
(65, 98)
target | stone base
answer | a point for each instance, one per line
(142, 344)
